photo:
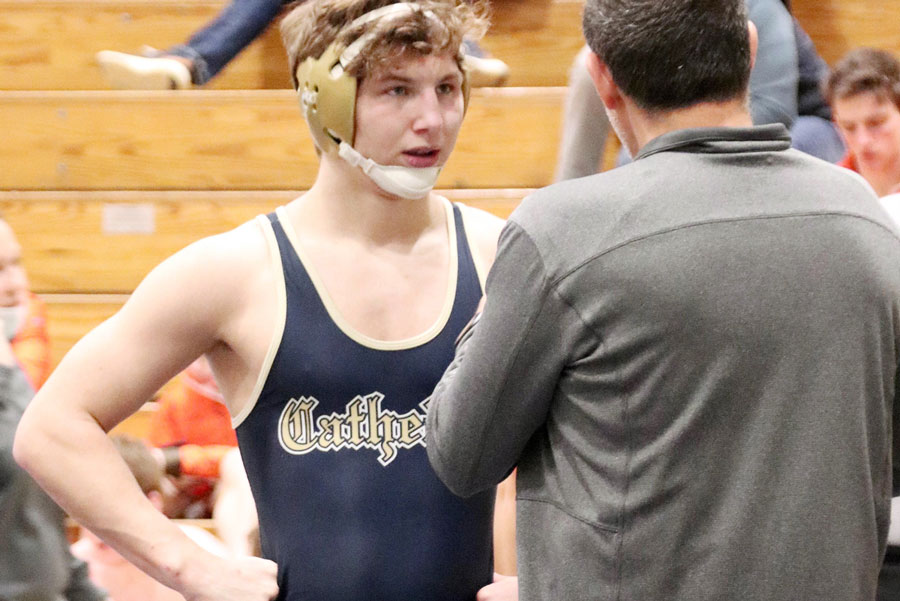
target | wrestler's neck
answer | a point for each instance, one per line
(643, 126)
(344, 201)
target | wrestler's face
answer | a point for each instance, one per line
(870, 125)
(409, 113)
(13, 283)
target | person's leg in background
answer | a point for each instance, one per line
(214, 46)
(585, 125)
(200, 58)
(207, 52)
(813, 131)
(818, 137)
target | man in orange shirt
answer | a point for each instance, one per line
(195, 443)
(192, 425)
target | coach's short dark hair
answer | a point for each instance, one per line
(865, 70)
(671, 54)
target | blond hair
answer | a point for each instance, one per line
(438, 26)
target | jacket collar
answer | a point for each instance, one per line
(761, 138)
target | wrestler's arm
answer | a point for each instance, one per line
(485, 229)
(498, 389)
(175, 314)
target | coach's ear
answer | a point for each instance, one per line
(603, 81)
(754, 42)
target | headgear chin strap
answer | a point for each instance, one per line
(405, 182)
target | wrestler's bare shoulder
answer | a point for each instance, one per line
(242, 248)
(225, 258)
(217, 275)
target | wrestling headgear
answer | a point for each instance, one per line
(328, 99)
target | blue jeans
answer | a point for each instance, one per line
(211, 48)
(818, 137)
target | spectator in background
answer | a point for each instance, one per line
(109, 570)
(813, 131)
(784, 88)
(864, 93)
(35, 563)
(24, 317)
(195, 444)
(192, 432)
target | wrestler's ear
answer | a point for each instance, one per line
(603, 81)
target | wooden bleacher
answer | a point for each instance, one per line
(50, 44)
(242, 140)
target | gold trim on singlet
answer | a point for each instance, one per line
(344, 325)
(281, 314)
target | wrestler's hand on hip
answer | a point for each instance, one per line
(232, 579)
(504, 588)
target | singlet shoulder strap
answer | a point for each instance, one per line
(468, 245)
(269, 228)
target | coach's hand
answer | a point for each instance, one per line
(504, 588)
(232, 579)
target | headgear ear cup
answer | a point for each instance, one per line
(328, 99)
(328, 93)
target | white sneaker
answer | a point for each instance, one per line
(130, 72)
(486, 72)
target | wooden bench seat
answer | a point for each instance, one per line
(106, 242)
(50, 44)
(242, 140)
(837, 26)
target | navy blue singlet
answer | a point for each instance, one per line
(349, 507)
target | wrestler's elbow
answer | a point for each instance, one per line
(29, 441)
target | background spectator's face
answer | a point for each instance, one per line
(871, 127)
(13, 283)
(409, 114)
